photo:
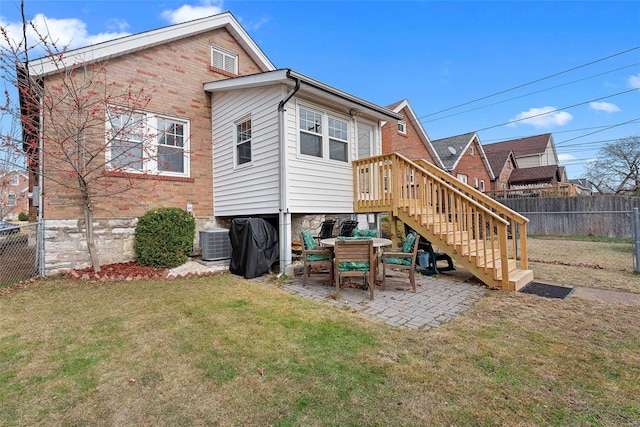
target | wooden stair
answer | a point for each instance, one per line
(467, 225)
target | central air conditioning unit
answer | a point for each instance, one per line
(215, 244)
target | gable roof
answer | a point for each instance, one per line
(307, 84)
(528, 146)
(123, 45)
(498, 158)
(535, 174)
(413, 118)
(450, 149)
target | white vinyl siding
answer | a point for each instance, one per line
(250, 190)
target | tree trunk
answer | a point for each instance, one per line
(88, 224)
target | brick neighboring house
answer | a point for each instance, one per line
(14, 192)
(407, 136)
(502, 163)
(463, 157)
(247, 140)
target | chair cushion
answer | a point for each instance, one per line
(354, 238)
(317, 257)
(398, 261)
(353, 266)
(309, 241)
(365, 233)
(408, 243)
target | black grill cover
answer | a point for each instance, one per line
(254, 247)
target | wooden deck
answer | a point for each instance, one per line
(480, 234)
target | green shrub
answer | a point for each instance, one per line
(164, 238)
(23, 217)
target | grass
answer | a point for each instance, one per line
(190, 352)
(602, 264)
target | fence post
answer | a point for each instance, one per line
(636, 228)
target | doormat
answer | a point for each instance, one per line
(547, 291)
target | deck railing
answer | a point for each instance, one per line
(427, 198)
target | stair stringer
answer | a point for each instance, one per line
(490, 276)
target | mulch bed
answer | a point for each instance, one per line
(119, 271)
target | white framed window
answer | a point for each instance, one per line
(402, 127)
(224, 59)
(462, 177)
(144, 142)
(471, 151)
(15, 179)
(12, 199)
(338, 139)
(243, 141)
(475, 182)
(323, 135)
(482, 185)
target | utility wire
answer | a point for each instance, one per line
(534, 81)
(527, 94)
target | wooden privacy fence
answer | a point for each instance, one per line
(601, 216)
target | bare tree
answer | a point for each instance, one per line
(617, 167)
(80, 129)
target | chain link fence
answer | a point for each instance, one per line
(19, 253)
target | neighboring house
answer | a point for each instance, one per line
(532, 151)
(14, 191)
(407, 136)
(502, 164)
(463, 157)
(535, 177)
(583, 186)
(253, 140)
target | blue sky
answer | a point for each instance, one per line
(463, 66)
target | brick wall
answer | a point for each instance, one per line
(174, 73)
(409, 145)
(473, 166)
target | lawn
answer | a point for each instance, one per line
(224, 351)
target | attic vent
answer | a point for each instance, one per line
(224, 60)
(215, 244)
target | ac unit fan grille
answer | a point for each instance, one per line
(215, 244)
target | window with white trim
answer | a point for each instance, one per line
(147, 143)
(402, 127)
(15, 179)
(471, 151)
(462, 178)
(12, 199)
(323, 135)
(482, 185)
(338, 139)
(243, 142)
(475, 182)
(224, 59)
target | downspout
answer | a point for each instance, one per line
(284, 219)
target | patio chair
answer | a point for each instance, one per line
(314, 258)
(326, 230)
(403, 260)
(346, 228)
(355, 258)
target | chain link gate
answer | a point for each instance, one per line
(20, 255)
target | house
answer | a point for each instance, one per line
(463, 157)
(502, 164)
(532, 151)
(14, 187)
(236, 137)
(407, 136)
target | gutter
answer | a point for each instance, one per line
(285, 215)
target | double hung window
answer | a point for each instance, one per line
(323, 135)
(243, 142)
(147, 143)
(12, 199)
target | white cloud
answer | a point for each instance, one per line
(604, 106)
(563, 157)
(70, 33)
(542, 117)
(634, 81)
(187, 12)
